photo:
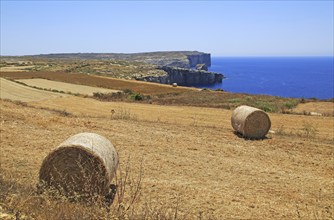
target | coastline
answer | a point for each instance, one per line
(288, 76)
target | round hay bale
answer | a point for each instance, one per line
(250, 122)
(82, 167)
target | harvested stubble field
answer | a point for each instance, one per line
(14, 91)
(324, 108)
(15, 68)
(194, 166)
(64, 87)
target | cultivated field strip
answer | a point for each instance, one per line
(14, 91)
(65, 87)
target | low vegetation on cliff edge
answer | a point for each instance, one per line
(206, 98)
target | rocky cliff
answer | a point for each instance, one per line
(202, 58)
(184, 77)
(183, 59)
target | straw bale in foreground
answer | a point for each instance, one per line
(83, 165)
(250, 122)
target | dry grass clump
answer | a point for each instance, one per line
(250, 122)
(306, 131)
(82, 167)
(20, 201)
(205, 98)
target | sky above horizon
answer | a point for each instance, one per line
(222, 28)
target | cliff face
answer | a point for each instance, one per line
(183, 63)
(188, 61)
(203, 58)
(182, 60)
(184, 77)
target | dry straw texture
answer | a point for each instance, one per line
(81, 167)
(250, 122)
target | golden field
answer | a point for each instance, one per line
(65, 87)
(194, 166)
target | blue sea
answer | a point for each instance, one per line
(297, 77)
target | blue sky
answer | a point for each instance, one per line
(222, 28)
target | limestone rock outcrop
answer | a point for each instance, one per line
(201, 66)
(184, 77)
(199, 58)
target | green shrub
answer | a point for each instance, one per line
(235, 100)
(248, 98)
(289, 105)
(136, 97)
(266, 109)
(266, 106)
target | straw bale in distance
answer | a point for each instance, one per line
(250, 122)
(82, 167)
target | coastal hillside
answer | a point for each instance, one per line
(159, 67)
(185, 59)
